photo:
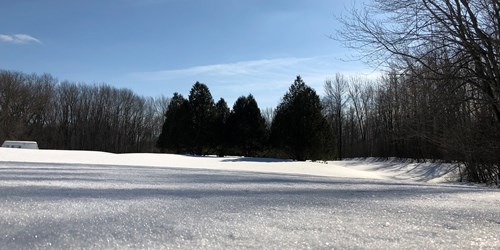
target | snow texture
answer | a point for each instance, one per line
(68, 200)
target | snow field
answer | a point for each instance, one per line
(59, 200)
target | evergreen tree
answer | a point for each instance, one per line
(219, 129)
(176, 129)
(247, 126)
(202, 111)
(299, 127)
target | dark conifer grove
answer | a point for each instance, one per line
(299, 129)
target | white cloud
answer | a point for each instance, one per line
(244, 68)
(18, 38)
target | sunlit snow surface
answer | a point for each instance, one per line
(70, 205)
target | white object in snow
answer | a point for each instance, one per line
(20, 144)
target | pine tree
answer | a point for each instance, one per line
(299, 127)
(247, 126)
(202, 111)
(175, 133)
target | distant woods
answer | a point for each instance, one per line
(69, 115)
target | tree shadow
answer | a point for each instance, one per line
(257, 160)
(407, 170)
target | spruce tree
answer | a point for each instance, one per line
(219, 127)
(202, 113)
(247, 126)
(299, 127)
(176, 132)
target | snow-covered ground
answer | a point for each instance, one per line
(76, 199)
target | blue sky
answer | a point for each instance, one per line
(157, 47)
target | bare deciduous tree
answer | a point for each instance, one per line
(463, 33)
(335, 101)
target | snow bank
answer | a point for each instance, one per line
(370, 168)
(262, 165)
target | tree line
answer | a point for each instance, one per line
(407, 116)
(70, 115)
(398, 115)
(79, 116)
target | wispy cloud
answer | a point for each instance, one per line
(244, 68)
(266, 79)
(18, 38)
